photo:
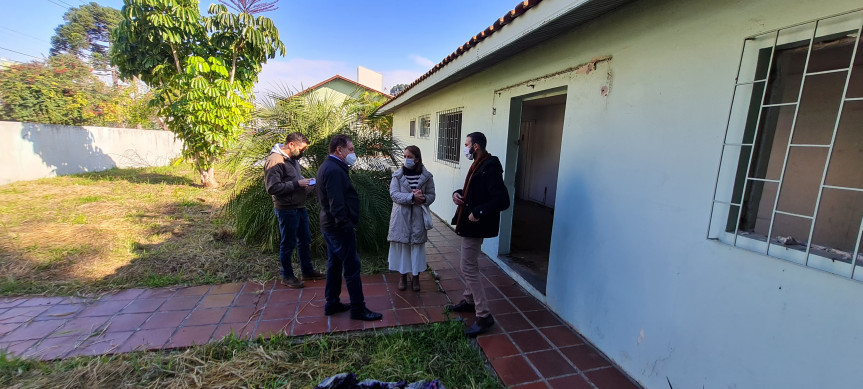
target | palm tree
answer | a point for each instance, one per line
(319, 117)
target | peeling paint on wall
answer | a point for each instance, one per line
(585, 68)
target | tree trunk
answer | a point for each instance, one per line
(115, 78)
(208, 178)
(162, 123)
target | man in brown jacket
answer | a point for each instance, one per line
(285, 183)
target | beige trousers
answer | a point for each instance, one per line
(474, 292)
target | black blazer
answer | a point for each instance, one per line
(340, 203)
(486, 198)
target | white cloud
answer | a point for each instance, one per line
(298, 73)
(422, 61)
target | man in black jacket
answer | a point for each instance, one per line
(480, 203)
(285, 183)
(340, 207)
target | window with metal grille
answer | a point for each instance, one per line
(790, 181)
(425, 126)
(413, 128)
(449, 135)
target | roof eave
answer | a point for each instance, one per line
(505, 39)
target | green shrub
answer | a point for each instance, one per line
(251, 208)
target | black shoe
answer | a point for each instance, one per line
(314, 275)
(483, 324)
(366, 315)
(292, 282)
(332, 309)
(462, 306)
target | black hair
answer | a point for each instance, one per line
(296, 137)
(478, 138)
(340, 140)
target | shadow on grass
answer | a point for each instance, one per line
(184, 241)
(195, 247)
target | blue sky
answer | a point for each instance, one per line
(402, 39)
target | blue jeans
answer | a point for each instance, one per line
(342, 258)
(294, 227)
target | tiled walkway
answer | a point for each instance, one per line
(528, 348)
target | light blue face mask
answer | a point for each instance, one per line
(351, 159)
(409, 163)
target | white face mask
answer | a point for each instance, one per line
(351, 159)
(409, 163)
(467, 153)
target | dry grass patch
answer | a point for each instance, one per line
(117, 229)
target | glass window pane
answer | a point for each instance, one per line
(846, 163)
(801, 180)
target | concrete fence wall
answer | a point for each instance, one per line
(29, 151)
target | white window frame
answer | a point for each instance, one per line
(730, 199)
(449, 140)
(424, 126)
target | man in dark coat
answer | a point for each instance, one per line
(284, 181)
(480, 203)
(340, 214)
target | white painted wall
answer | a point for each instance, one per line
(29, 151)
(370, 78)
(631, 267)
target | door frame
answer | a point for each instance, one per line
(511, 163)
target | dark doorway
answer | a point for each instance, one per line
(539, 140)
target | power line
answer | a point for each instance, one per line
(18, 52)
(56, 3)
(69, 5)
(23, 34)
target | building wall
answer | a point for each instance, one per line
(29, 151)
(630, 265)
(338, 91)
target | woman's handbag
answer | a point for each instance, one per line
(427, 217)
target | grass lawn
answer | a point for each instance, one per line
(437, 351)
(124, 228)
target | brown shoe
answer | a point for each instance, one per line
(292, 282)
(403, 282)
(415, 283)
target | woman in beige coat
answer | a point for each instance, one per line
(411, 188)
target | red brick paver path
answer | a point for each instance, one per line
(529, 346)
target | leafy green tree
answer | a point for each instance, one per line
(201, 69)
(399, 88)
(319, 118)
(58, 91)
(86, 34)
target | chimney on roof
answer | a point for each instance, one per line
(370, 78)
